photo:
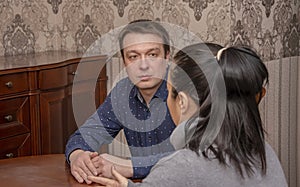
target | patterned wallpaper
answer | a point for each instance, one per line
(272, 27)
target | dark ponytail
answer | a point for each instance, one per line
(242, 136)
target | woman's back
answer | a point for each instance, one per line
(193, 170)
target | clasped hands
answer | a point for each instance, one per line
(104, 169)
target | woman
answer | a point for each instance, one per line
(238, 155)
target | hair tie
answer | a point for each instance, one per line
(220, 53)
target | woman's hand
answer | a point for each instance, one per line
(105, 162)
(119, 180)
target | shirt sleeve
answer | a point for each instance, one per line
(99, 129)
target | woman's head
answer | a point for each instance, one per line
(188, 85)
(241, 137)
(244, 72)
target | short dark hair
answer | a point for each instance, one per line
(145, 26)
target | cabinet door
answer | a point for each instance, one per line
(60, 116)
(52, 121)
(57, 118)
(82, 103)
(83, 100)
(84, 95)
(53, 110)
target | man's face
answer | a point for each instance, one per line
(145, 60)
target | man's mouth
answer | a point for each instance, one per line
(144, 77)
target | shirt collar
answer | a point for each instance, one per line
(161, 92)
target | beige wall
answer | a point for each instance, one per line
(272, 29)
(280, 114)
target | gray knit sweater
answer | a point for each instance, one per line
(185, 168)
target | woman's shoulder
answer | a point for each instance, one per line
(182, 154)
(182, 158)
(270, 152)
(275, 172)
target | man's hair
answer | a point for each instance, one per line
(144, 26)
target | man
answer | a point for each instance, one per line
(136, 104)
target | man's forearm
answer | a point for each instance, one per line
(123, 166)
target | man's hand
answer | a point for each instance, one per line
(82, 165)
(105, 162)
(119, 181)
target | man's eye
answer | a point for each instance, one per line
(132, 57)
(152, 55)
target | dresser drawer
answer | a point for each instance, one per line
(86, 71)
(53, 78)
(13, 83)
(14, 117)
(72, 72)
(15, 146)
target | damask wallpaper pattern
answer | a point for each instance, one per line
(272, 27)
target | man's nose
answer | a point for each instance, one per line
(144, 62)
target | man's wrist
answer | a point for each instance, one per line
(122, 165)
(126, 170)
(73, 154)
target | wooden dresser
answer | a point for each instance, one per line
(44, 97)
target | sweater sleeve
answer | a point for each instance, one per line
(143, 165)
(167, 172)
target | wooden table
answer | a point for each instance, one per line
(32, 171)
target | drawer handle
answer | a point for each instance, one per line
(9, 155)
(9, 84)
(8, 118)
(74, 73)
